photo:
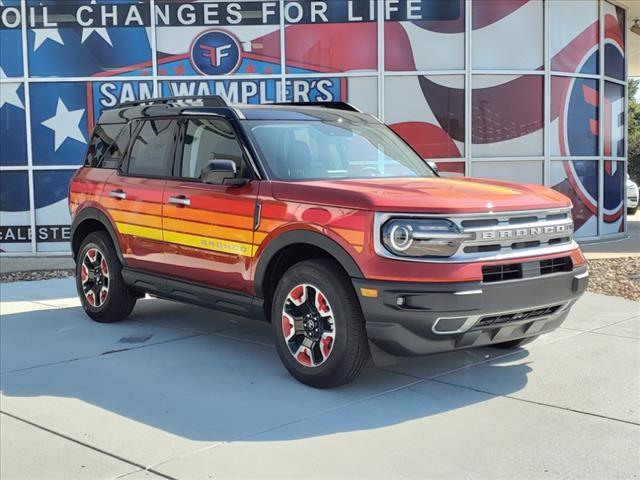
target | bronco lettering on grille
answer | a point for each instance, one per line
(526, 233)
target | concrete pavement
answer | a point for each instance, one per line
(182, 392)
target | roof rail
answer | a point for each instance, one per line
(207, 100)
(334, 105)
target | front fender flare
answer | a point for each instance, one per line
(308, 237)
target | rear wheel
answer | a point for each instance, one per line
(101, 289)
(320, 334)
(515, 343)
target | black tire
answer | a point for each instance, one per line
(119, 301)
(515, 343)
(632, 211)
(349, 350)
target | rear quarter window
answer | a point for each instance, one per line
(108, 145)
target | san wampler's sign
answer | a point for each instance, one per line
(108, 94)
(101, 95)
(71, 13)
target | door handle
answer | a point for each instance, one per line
(119, 194)
(181, 200)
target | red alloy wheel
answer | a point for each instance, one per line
(94, 275)
(308, 325)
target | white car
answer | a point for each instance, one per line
(632, 196)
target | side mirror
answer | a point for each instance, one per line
(221, 172)
(433, 165)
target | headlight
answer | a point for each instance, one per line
(428, 237)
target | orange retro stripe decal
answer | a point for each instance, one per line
(189, 240)
(354, 237)
(203, 229)
(139, 231)
(209, 217)
(141, 219)
(208, 230)
(186, 239)
(191, 234)
(209, 243)
(134, 206)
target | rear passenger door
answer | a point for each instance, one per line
(134, 194)
(208, 229)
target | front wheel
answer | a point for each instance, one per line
(103, 294)
(319, 327)
(632, 211)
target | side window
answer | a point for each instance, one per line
(150, 150)
(209, 139)
(118, 148)
(103, 138)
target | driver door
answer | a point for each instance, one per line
(208, 229)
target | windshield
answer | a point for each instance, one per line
(319, 150)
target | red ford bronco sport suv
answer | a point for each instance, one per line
(318, 219)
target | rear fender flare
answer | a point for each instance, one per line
(91, 213)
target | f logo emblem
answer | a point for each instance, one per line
(215, 52)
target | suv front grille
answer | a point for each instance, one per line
(554, 265)
(499, 273)
(503, 233)
(515, 271)
(502, 318)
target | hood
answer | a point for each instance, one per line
(426, 195)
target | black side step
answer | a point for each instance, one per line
(205, 296)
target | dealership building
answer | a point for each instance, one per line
(525, 90)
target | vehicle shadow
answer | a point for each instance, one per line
(204, 376)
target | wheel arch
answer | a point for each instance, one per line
(291, 247)
(90, 220)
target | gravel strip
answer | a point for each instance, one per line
(34, 275)
(619, 277)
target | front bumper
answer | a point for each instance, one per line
(409, 319)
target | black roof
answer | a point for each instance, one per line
(214, 104)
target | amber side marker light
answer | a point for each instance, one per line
(369, 292)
